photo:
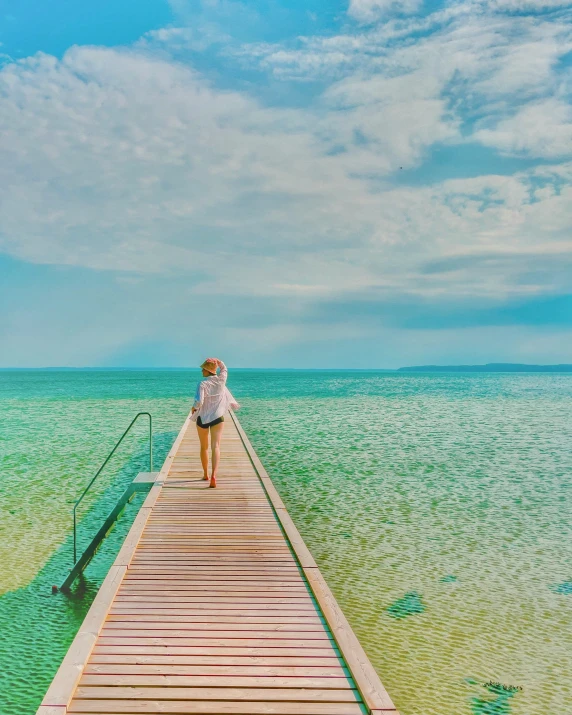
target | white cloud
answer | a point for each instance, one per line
(490, 55)
(120, 160)
(527, 5)
(126, 146)
(369, 10)
(201, 36)
(469, 67)
(542, 129)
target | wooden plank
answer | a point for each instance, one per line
(202, 659)
(310, 630)
(212, 680)
(251, 616)
(140, 604)
(216, 599)
(114, 707)
(334, 671)
(308, 692)
(200, 608)
(220, 652)
(207, 591)
(210, 642)
(203, 634)
(215, 572)
(128, 548)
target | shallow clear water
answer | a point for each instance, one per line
(438, 507)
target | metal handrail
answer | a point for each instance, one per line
(78, 502)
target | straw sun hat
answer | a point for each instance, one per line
(210, 366)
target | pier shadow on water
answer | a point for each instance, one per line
(37, 626)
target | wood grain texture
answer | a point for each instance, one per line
(215, 605)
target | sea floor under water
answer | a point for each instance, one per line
(437, 506)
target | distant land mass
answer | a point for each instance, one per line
(489, 367)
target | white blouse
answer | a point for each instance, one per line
(213, 398)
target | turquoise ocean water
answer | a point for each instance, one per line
(438, 507)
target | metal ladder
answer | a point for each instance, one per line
(143, 481)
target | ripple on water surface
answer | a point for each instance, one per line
(436, 505)
(439, 514)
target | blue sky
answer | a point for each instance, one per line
(365, 183)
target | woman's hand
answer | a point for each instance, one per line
(193, 410)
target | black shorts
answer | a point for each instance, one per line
(209, 424)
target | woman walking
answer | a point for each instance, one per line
(212, 400)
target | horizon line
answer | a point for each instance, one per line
(64, 368)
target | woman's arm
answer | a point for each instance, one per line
(198, 399)
(223, 374)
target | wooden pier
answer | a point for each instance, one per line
(214, 605)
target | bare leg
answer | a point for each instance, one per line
(216, 434)
(204, 440)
